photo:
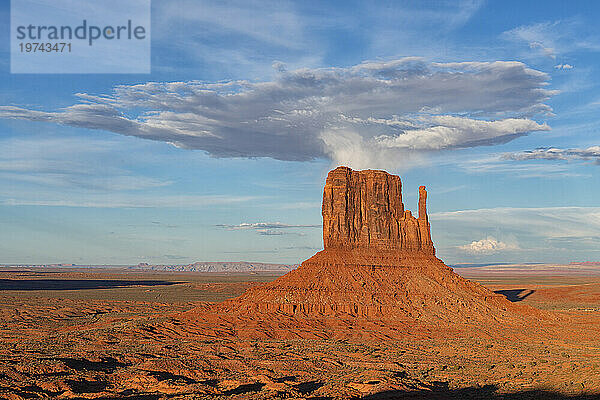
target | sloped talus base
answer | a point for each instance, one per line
(377, 284)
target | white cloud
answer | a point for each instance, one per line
(364, 116)
(563, 66)
(551, 153)
(456, 132)
(488, 245)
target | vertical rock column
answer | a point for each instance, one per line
(424, 229)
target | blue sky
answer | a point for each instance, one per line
(221, 152)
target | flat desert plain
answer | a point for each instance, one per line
(112, 334)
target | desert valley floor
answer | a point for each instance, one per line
(106, 334)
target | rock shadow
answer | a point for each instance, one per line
(168, 376)
(107, 364)
(74, 284)
(244, 389)
(308, 387)
(85, 386)
(515, 295)
(485, 392)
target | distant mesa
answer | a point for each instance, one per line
(587, 263)
(378, 263)
(218, 267)
(222, 267)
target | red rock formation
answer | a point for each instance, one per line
(379, 262)
(364, 209)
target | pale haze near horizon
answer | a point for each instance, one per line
(221, 153)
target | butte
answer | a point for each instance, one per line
(378, 272)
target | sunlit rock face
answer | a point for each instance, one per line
(364, 209)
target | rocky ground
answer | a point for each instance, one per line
(130, 336)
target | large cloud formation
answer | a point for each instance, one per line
(373, 114)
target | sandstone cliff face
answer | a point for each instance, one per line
(364, 209)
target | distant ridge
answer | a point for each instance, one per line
(239, 266)
(542, 269)
(587, 263)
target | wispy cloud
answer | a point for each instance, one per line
(544, 223)
(502, 164)
(89, 172)
(241, 38)
(370, 115)
(269, 228)
(268, 22)
(446, 15)
(547, 51)
(552, 153)
(226, 35)
(69, 179)
(123, 200)
(265, 225)
(299, 205)
(68, 163)
(554, 38)
(275, 232)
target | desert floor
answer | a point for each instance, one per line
(106, 334)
